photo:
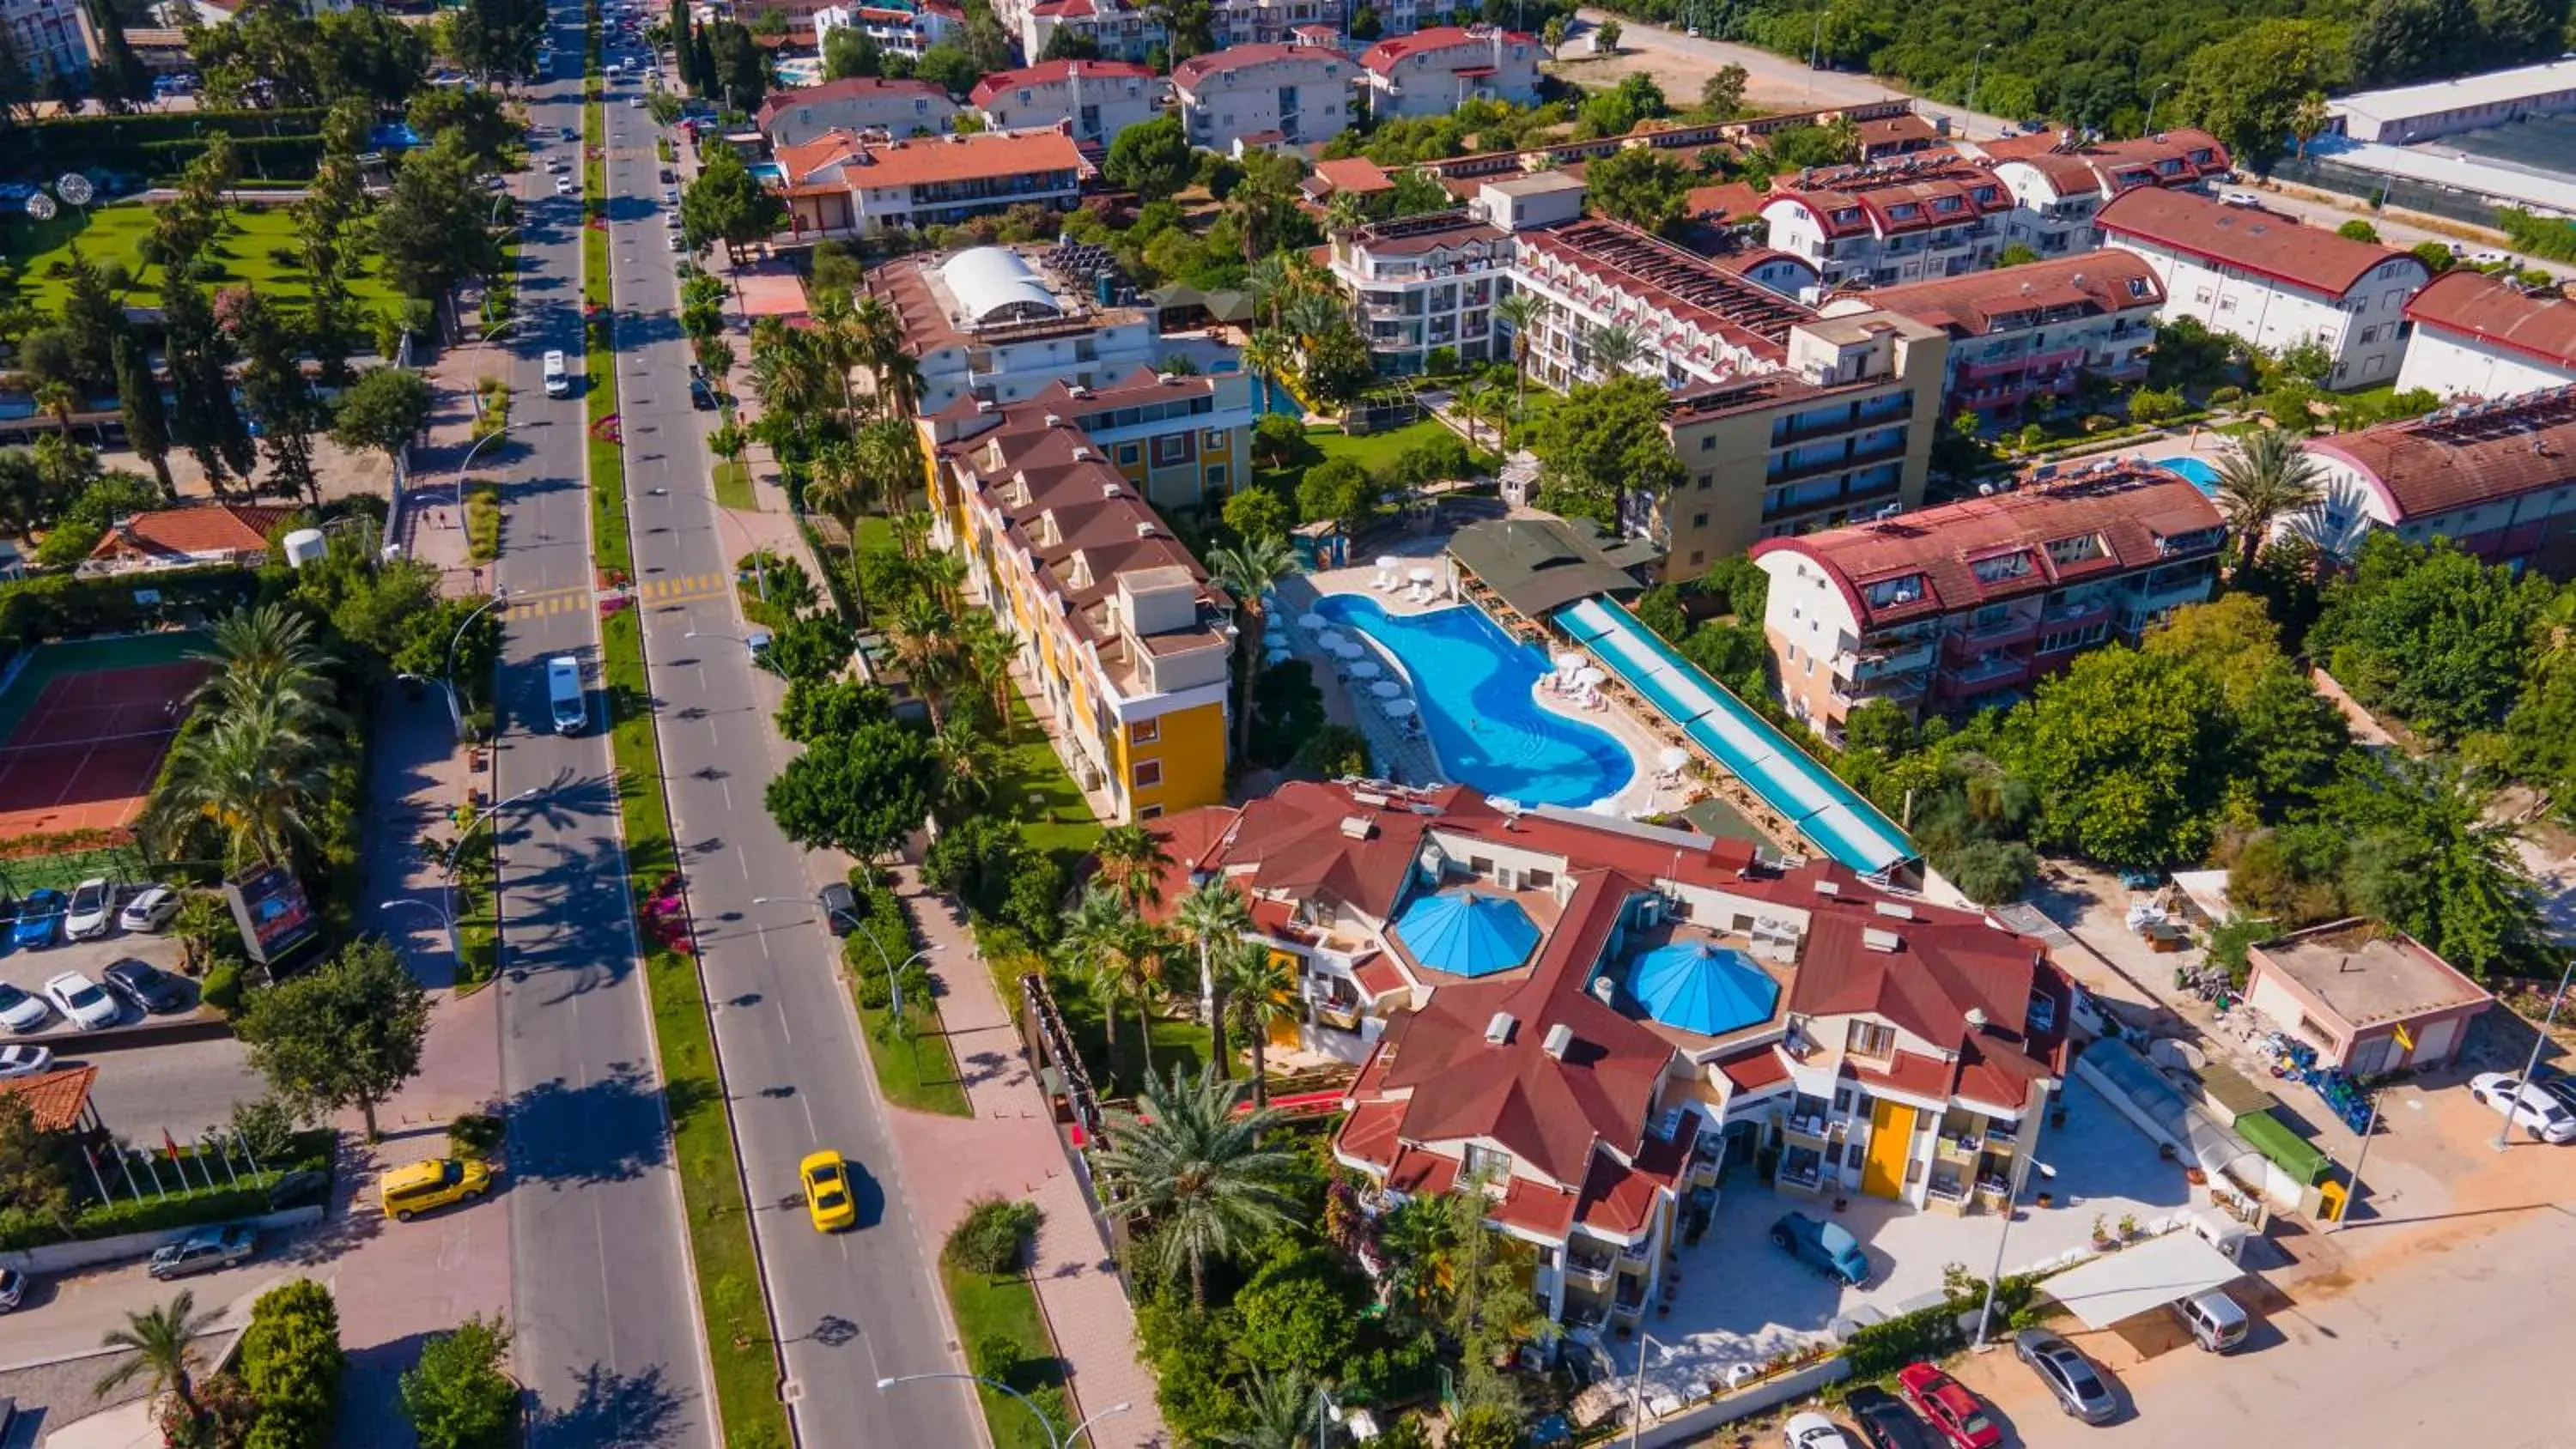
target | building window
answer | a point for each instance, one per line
(1843, 1100)
(1216, 475)
(1699, 520)
(1173, 448)
(1149, 812)
(1869, 1039)
(1708, 443)
(1144, 732)
(1487, 1163)
(1538, 880)
(1212, 440)
(1127, 455)
(1149, 774)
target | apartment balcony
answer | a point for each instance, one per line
(1775, 508)
(1784, 434)
(1821, 1130)
(1826, 467)
(1901, 688)
(1997, 671)
(2140, 597)
(1591, 1269)
(2066, 616)
(2011, 630)
(1865, 665)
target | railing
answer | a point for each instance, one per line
(1885, 453)
(1594, 1273)
(1792, 432)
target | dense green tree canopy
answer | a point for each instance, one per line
(2430, 634)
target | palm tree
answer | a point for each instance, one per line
(896, 375)
(264, 651)
(1213, 911)
(56, 399)
(1480, 402)
(1132, 860)
(890, 461)
(1259, 988)
(2266, 477)
(1520, 312)
(919, 633)
(1268, 281)
(1269, 354)
(160, 1346)
(835, 486)
(791, 378)
(1343, 212)
(256, 774)
(1314, 315)
(1120, 955)
(1278, 1411)
(989, 650)
(1248, 571)
(969, 763)
(1613, 348)
(1195, 1167)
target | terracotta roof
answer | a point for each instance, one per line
(1670, 279)
(1383, 56)
(190, 531)
(1056, 73)
(1860, 199)
(851, 89)
(1897, 130)
(1730, 201)
(2134, 510)
(1238, 57)
(1191, 841)
(2495, 311)
(2248, 238)
(1619, 1198)
(2172, 158)
(1378, 976)
(54, 1099)
(962, 158)
(1975, 303)
(2455, 459)
(1754, 1069)
(1356, 174)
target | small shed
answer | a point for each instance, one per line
(2366, 995)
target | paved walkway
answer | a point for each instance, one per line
(1011, 1148)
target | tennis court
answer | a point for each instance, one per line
(87, 724)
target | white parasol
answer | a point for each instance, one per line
(1365, 669)
(1590, 675)
(1327, 638)
(1397, 708)
(1387, 689)
(1673, 758)
(1312, 621)
(1568, 662)
(1347, 649)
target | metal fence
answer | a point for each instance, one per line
(2380, 190)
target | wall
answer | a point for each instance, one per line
(1725, 1409)
(56, 1258)
(2273, 315)
(2454, 363)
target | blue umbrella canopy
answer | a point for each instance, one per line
(1697, 987)
(1467, 934)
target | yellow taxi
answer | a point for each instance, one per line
(417, 1187)
(828, 1200)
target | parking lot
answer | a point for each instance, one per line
(1744, 1301)
(28, 970)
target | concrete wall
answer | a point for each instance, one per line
(1708, 1417)
(66, 1257)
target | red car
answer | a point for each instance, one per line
(1945, 1401)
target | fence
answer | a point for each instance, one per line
(1056, 1053)
(2380, 189)
(1705, 1418)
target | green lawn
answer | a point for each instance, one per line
(241, 256)
(1373, 451)
(990, 1308)
(1034, 787)
(920, 1074)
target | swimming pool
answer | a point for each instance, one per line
(2202, 476)
(1474, 686)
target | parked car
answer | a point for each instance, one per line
(2490, 258)
(153, 991)
(21, 1012)
(1815, 1431)
(2069, 1376)
(13, 1289)
(826, 1176)
(1884, 1420)
(93, 907)
(1959, 1416)
(39, 916)
(2560, 1086)
(2524, 1105)
(2239, 198)
(417, 1187)
(21, 1059)
(81, 1001)
(1822, 1246)
(205, 1252)
(563, 186)
(150, 908)
(840, 906)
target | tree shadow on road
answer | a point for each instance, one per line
(613, 1411)
(608, 1130)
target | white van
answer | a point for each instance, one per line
(563, 692)
(558, 384)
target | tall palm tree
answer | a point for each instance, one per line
(57, 399)
(1268, 281)
(1279, 1410)
(791, 379)
(989, 651)
(944, 575)
(1259, 988)
(1248, 571)
(925, 644)
(1269, 354)
(1313, 314)
(1520, 312)
(1343, 212)
(2266, 478)
(1479, 402)
(890, 461)
(1613, 348)
(160, 1346)
(1195, 1167)
(1121, 955)
(1213, 911)
(834, 485)
(896, 375)
(1132, 861)
(970, 764)
(257, 774)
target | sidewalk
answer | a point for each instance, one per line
(1011, 1148)
(433, 525)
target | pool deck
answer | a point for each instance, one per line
(1645, 792)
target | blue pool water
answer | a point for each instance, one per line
(767, 171)
(1473, 684)
(2202, 476)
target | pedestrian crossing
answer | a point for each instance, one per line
(652, 593)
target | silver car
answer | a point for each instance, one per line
(2070, 1377)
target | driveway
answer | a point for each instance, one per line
(1744, 1301)
(178, 1087)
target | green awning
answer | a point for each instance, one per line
(2286, 1149)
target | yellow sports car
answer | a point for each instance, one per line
(827, 1191)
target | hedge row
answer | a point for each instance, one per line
(59, 606)
(241, 1195)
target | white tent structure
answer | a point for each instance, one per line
(2141, 1279)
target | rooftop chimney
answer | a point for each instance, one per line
(1499, 1030)
(1559, 1037)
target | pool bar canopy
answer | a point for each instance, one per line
(1830, 814)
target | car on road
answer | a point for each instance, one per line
(679, 243)
(1959, 1416)
(153, 991)
(81, 1001)
(1822, 1246)
(22, 1059)
(21, 1012)
(1884, 1420)
(2067, 1374)
(634, 103)
(1815, 1431)
(417, 1187)
(93, 907)
(826, 1175)
(563, 186)
(150, 908)
(205, 1252)
(2524, 1105)
(2490, 258)
(13, 1289)
(569, 134)
(670, 196)
(840, 906)
(40, 915)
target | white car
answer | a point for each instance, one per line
(2524, 1105)
(23, 1060)
(563, 186)
(83, 1002)
(634, 103)
(150, 909)
(93, 909)
(21, 1012)
(1815, 1431)
(2490, 258)
(678, 242)
(2239, 198)
(670, 196)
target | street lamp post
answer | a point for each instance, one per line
(468, 460)
(759, 564)
(455, 944)
(2533, 1065)
(1976, 77)
(2012, 1197)
(1057, 1441)
(2151, 105)
(457, 852)
(1637, 1385)
(447, 681)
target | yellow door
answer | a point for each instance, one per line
(1891, 1140)
(1283, 1032)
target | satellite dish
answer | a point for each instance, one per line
(75, 188)
(41, 207)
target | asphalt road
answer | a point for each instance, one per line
(863, 1304)
(608, 1335)
(178, 1087)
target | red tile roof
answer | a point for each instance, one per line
(1861, 199)
(1670, 279)
(2469, 302)
(1356, 174)
(2428, 466)
(2250, 239)
(957, 158)
(1975, 303)
(1728, 201)
(56, 1098)
(2107, 168)
(1239, 57)
(1754, 1069)
(1191, 842)
(850, 89)
(1382, 57)
(1056, 72)
(192, 531)
(2138, 512)
(1619, 1198)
